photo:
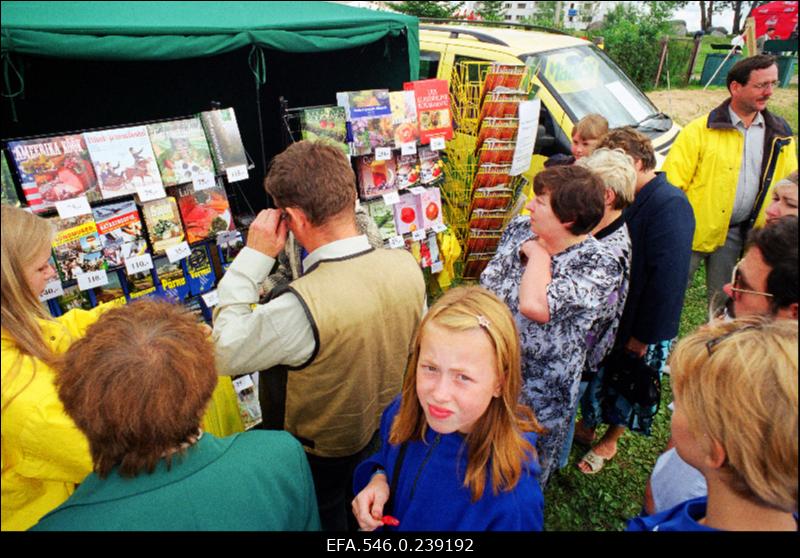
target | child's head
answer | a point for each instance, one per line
(587, 133)
(735, 386)
(464, 376)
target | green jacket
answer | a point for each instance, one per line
(705, 160)
(254, 481)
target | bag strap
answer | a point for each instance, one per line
(387, 508)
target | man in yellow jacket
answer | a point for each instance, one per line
(727, 162)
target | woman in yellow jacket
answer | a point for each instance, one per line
(44, 455)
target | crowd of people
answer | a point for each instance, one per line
(386, 414)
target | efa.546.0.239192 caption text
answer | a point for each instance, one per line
(415, 544)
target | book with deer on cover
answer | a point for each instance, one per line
(123, 160)
(181, 150)
(54, 169)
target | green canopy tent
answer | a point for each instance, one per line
(76, 65)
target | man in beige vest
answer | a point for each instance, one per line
(343, 329)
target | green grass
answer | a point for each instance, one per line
(605, 501)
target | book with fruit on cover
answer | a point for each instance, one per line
(163, 223)
(54, 169)
(199, 271)
(408, 171)
(408, 214)
(9, 191)
(77, 247)
(383, 216)
(404, 117)
(171, 278)
(224, 139)
(430, 203)
(370, 116)
(433, 108)
(112, 292)
(205, 213)
(123, 160)
(375, 178)
(327, 124)
(181, 150)
(431, 165)
(120, 230)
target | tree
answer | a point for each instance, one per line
(491, 11)
(545, 15)
(741, 8)
(442, 10)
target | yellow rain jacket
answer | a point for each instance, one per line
(704, 162)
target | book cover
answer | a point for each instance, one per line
(481, 241)
(224, 139)
(383, 216)
(228, 247)
(120, 230)
(475, 264)
(205, 213)
(498, 197)
(495, 151)
(111, 293)
(509, 76)
(9, 190)
(408, 171)
(370, 115)
(54, 169)
(408, 214)
(431, 207)
(405, 125)
(487, 219)
(181, 150)
(196, 307)
(491, 175)
(171, 279)
(77, 247)
(431, 165)
(140, 284)
(433, 108)
(247, 398)
(502, 104)
(199, 271)
(163, 223)
(325, 124)
(497, 128)
(123, 160)
(375, 178)
(73, 298)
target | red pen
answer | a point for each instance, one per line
(389, 520)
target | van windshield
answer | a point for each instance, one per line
(589, 82)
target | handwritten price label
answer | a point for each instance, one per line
(439, 228)
(73, 207)
(87, 281)
(437, 267)
(237, 173)
(409, 148)
(418, 234)
(203, 182)
(228, 237)
(391, 198)
(397, 242)
(150, 192)
(211, 298)
(51, 290)
(383, 153)
(241, 384)
(177, 253)
(417, 190)
(138, 264)
(437, 143)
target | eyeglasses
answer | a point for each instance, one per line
(736, 276)
(766, 85)
(717, 340)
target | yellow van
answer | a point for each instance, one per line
(575, 78)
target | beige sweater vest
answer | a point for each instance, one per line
(364, 310)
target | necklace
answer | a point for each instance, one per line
(190, 441)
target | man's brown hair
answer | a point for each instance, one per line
(315, 177)
(740, 73)
(576, 194)
(632, 142)
(137, 384)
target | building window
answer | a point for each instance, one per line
(507, 5)
(507, 17)
(521, 5)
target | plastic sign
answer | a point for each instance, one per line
(211, 298)
(242, 383)
(408, 148)
(138, 264)
(73, 208)
(203, 182)
(437, 267)
(383, 153)
(237, 173)
(150, 192)
(419, 234)
(179, 252)
(92, 279)
(437, 143)
(439, 228)
(397, 242)
(417, 190)
(51, 290)
(391, 198)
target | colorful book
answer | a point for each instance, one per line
(375, 178)
(196, 307)
(431, 166)
(228, 247)
(163, 223)
(73, 298)
(370, 116)
(120, 230)
(247, 398)
(199, 271)
(430, 203)
(405, 125)
(407, 214)
(112, 293)
(224, 139)
(433, 108)
(205, 213)
(325, 124)
(383, 216)
(408, 171)
(123, 160)
(171, 278)
(54, 169)
(9, 190)
(140, 284)
(181, 150)
(77, 246)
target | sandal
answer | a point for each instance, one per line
(594, 461)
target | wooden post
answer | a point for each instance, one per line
(664, 43)
(750, 37)
(693, 59)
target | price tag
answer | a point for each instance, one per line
(409, 148)
(241, 384)
(397, 242)
(383, 153)
(391, 198)
(237, 173)
(417, 190)
(437, 267)
(73, 207)
(52, 290)
(150, 192)
(92, 279)
(419, 234)
(138, 264)
(439, 228)
(203, 182)
(179, 252)
(211, 298)
(437, 143)
(227, 237)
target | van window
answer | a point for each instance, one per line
(428, 64)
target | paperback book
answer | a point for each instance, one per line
(77, 247)
(404, 117)
(383, 216)
(205, 213)
(224, 138)
(120, 230)
(112, 293)
(54, 169)
(196, 307)
(9, 191)
(247, 398)
(228, 247)
(433, 108)
(73, 298)
(140, 284)
(123, 160)
(181, 150)
(171, 278)
(163, 223)
(408, 214)
(375, 178)
(327, 124)
(408, 171)
(369, 113)
(430, 202)
(199, 271)
(431, 165)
